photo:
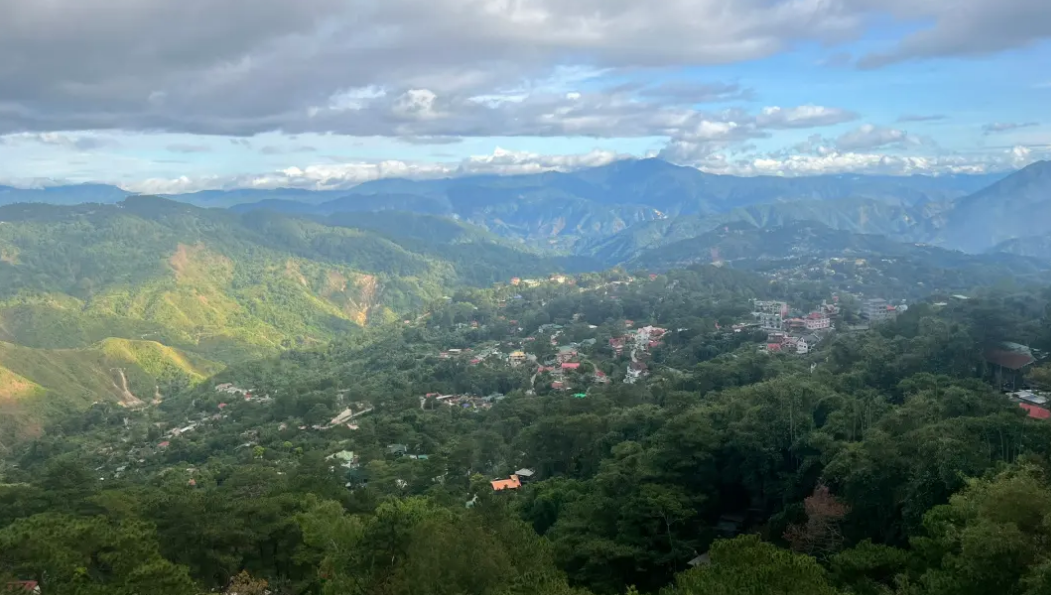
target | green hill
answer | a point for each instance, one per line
(37, 385)
(163, 285)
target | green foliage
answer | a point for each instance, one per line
(887, 454)
(747, 566)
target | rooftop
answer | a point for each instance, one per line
(1035, 411)
(500, 485)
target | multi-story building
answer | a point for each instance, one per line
(770, 315)
(770, 321)
(877, 310)
(817, 321)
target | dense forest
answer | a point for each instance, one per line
(883, 462)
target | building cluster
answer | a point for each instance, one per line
(556, 278)
(781, 342)
(792, 334)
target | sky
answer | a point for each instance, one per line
(175, 96)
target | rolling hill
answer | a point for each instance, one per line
(95, 296)
(870, 264)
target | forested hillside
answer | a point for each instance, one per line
(883, 462)
(860, 263)
(184, 291)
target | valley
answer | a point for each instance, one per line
(169, 293)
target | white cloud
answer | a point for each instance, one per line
(875, 163)
(869, 136)
(249, 66)
(821, 160)
(998, 127)
(74, 142)
(804, 116)
(345, 175)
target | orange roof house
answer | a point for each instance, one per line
(1035, 412)
(506, 484)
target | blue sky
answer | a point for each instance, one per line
(160, 96)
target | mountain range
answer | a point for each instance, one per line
(651, 202)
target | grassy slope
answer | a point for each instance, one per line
(84, 290)
(38, 384)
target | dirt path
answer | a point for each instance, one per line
(128, 399)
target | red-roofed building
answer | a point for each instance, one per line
(570, 366)
(1035, 411)
(222, 405)
(22, 587)
(557, 385)
(506, 484)
(773, 347)
(164, 444)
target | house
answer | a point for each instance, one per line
(802, 346)
(702, 560)
(565, 354)
(1029, 397)
(517, 358)
(397, 450)
(772, 321)
(1009, 361)
(558, 385)
(601, 377)
(501, 485)
(878, 310)
(1036, 411)
(524, 475)
(618, 343)
(773, 347)
(817, 320)
(22, 587)
(569, 366)
(516, 281)
(345, 458)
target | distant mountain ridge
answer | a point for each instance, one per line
(1016, 206)
(619, 210)
(573, 211)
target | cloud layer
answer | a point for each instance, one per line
(248, 66)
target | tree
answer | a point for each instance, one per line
(820, 535)
(991, 538)
(91, 556)
(747, 566)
